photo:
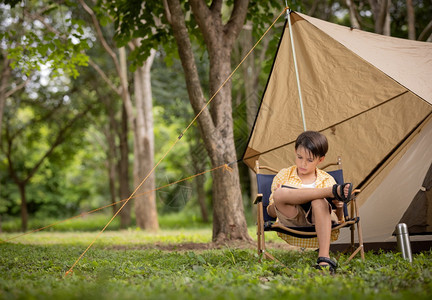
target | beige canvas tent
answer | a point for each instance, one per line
(371, 95)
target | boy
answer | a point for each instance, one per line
(299, 193)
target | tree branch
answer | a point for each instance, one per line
(353, 14)
(60, 138)
(427, 31)
(236, 21)
(193, 84)
(100, 35)
(204, 18)
(17, 88)
(104, 77)
(47, 25)
(167, 12)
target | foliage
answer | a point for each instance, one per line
(34, 41)
(75, 179)
(188, 217)
(126, 265)
(398, 13)
(128, 16)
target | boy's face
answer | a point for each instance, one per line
(305, 162)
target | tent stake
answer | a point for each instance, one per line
(296, 70)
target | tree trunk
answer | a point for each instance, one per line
(411, 20)
(123, 171)
(5, 75)
(353, 14)
(199, 162)
(251, 72)
(380, 9)
(387, 22)
(120, 65)
(24, 212)
(145, 204)
(201, 195)
(216, 127)
(111, 156)
(228, 212)
(426, 34)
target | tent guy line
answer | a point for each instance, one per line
(226, 167)
(175, 142)
(327, 128)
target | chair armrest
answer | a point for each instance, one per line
(258, 199)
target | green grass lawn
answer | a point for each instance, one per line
(133, 264)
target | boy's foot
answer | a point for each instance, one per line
(339, 192)
(325, 263)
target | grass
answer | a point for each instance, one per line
(96, 221)
(178, 263)
(131, 265)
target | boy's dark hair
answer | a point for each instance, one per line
(313, 141)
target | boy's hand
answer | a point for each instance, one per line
(278, 186)
(338, 204)
(339, 210)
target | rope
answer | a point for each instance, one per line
(225, 166)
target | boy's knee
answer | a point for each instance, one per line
(278, 196)
(320, 204)
(271, 210)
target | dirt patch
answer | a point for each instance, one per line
(200, 246)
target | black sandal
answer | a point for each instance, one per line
(331, 265)
(341, 196)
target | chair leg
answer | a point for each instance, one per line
(360, 237)
(262, 253)
(260, 230)
(269, 256)
(359, 232)
(352, 228)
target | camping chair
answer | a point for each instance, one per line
(298, 234)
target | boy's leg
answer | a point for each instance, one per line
(284, 196)
(322, 219)
(285, 199)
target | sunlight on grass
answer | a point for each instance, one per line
(124, 237)
(175, 228)
(130, 237)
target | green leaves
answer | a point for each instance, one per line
(49, 39)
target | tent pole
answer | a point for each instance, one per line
(296, 70)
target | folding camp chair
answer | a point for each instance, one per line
(267, 223)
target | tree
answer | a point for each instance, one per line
(216, 124)
(411, 20)
(53, 120)
(26, 47)
(137, 18)
(140, 119)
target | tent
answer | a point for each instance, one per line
(371, 95)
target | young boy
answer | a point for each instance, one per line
(299, 193)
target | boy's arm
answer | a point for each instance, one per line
(277, 182)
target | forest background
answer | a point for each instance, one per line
(97, 99)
